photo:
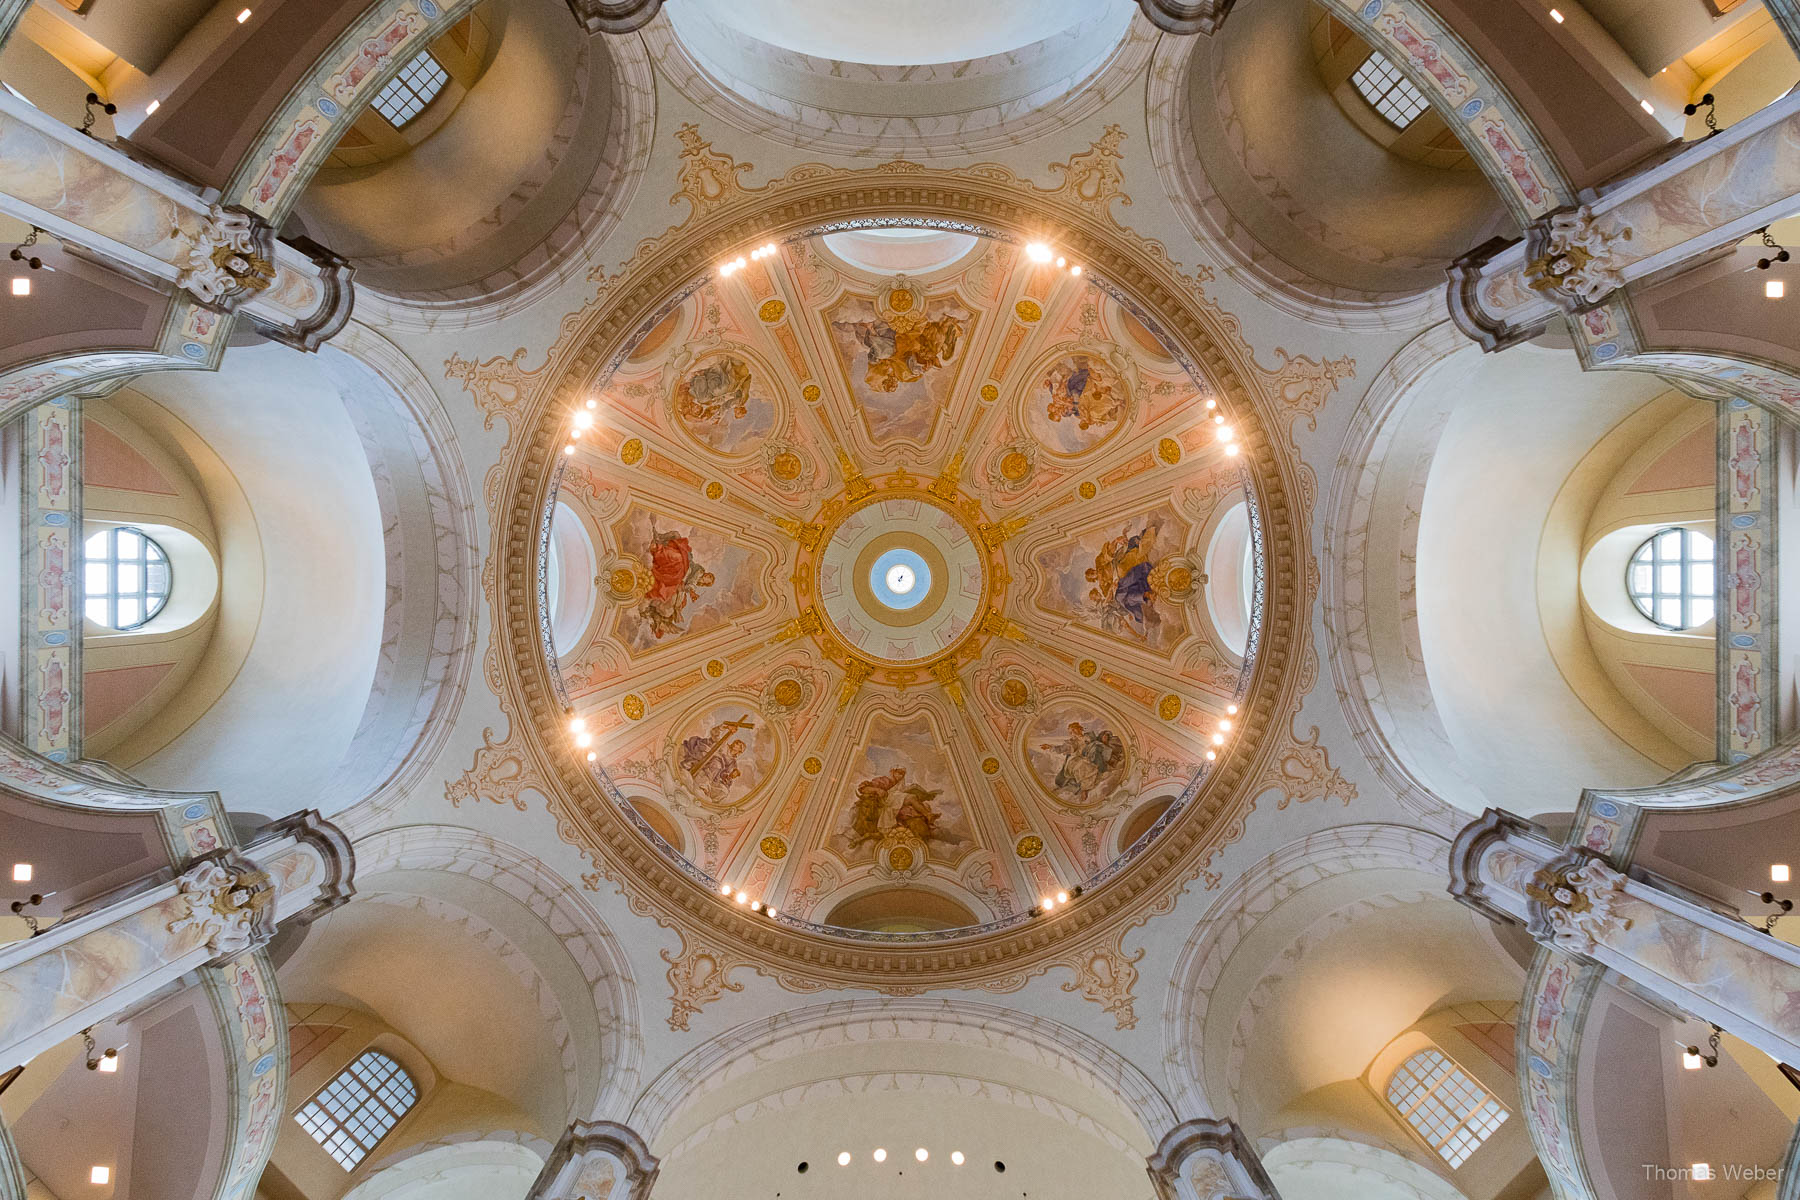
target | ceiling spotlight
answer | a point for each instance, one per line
(1061, 261)
(756, 906)
(1218, 739)
(592, 403)
(1647, 107)
(22, 873)
(1231, 450)
(1075, 270)
(243, 16)
(21, 286)
(1224, 723)
(880, 1155)
(569, 449)
(1211, 403)
(584, 419)
(150, 108)
(584, 740)
(592, 756)
(1232, 709)
(1047, 903)
(1212, 756)
(921, 1154)
(1062, 897)
(743, 897)
(724, 889)
(771, 911)
(100, 1175)
(956, 1156)
(1037, 252)
(1556, 16)
(577, 724)
(1774, 289)
(843, 1158)
(1778, 872)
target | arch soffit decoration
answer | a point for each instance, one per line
(591, 946)
(1252, 897)
(751, 1046)
(1380, 715)
(725, 214)
(1472, 101)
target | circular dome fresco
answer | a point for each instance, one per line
(899, 604)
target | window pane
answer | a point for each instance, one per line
(1668, 612)
(126, 578)
(1701, 611)
(128, 613)
(130, 545)
(1671, 578)
(96, 611)
(1445, 1105)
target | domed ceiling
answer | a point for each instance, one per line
(900, 618)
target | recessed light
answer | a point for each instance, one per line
(21, 285)
(1774, 289)
(150, 108)
(1691, 1062)
(243, 16)
(1778, 873)
(100, 1175)
(921, 1154)
(956, 1156)
(843, 1158)
(880, 1155)
(1556, 16)
(22, 872)
(1703, 1171)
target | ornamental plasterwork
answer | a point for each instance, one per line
(659, 442)
(222, 906)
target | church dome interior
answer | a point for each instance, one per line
(781, 600)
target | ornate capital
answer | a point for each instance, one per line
(1574, 900)
(1573, 258)
(230, 256)
(1186, 16)
(614, 16)
(229, 907)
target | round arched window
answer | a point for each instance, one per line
(1670, 578)
(125, 578)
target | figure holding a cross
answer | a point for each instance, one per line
(711, 758)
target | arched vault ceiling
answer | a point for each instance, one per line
(1053, 476)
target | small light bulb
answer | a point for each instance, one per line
(880, 1155)
(1232, 709)
(1556, 16)
(584, 420)
(1218, 739)
(1774, 289)
(1778, 872)
(1047, 903)
(1074, 270)
(150, 108)
(22, 872)
(584, 740)
(724, 889)
(1062, 897)
(771, 911)
(1219, 419)
(592, 403)
(1227, 434)
(756, 906)
(109, 1064)
(1212, 755)
(1690, 1062)
(593, 756)
(21, 285)
(921, 1154)
(1231, 449)
(1038, 252)
(743, 897)
(1061, 261)
(1211, 403)
(1647, 107)
(577, 724)
(569, 449)
(243, 16)
(843, 1158)
(100, 1175)
(1224, 723)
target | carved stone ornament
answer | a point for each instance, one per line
(1574, 260)
(223, 906)
(591, 1159)
(1214, 1159)
(1579, 903)
(229, 257)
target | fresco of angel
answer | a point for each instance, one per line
(904, 350)
(676, 581)
(887, 801)
(1083, 390)
(1090, 759)
(1124, 578)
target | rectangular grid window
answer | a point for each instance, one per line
(407, 93)
(1388, 91)
(1446, 1107)
(358, 1108)
(125, 578)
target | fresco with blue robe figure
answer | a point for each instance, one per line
(1116, 579)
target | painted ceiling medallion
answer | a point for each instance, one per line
(869, 663)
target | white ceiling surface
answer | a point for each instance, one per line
(887, 34)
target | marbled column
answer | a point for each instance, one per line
(1787, 15)
(596, 1160)
(1698, 959)
(1208, 1160)
(1712, 194)
(93, 965)
(87, 194)
(1748, 645)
